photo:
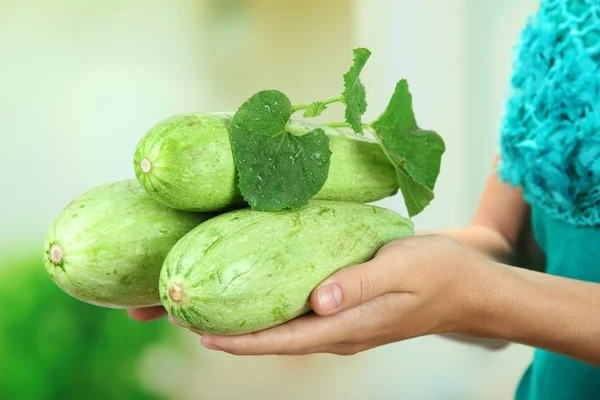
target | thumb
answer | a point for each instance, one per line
(350, 287)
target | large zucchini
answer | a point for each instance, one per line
(246, 270)
(186, 162)
(107, 247)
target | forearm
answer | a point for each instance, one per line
(544, 311)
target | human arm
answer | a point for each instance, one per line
(501, 231)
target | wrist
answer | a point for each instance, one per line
(494, 303)
(471, 303)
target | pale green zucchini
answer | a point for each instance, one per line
(107, 247)
(185, 162)
(245, 270)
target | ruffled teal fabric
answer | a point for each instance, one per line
(550, 135)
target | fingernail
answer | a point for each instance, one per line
(330, 296)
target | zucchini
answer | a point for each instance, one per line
(185, 162)
(245, 271)
(107, 247)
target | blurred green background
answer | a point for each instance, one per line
(82, 81)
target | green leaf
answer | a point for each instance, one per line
(415, 152)
(416, 197)
(277, 169)
(315, 109)
(354, 94)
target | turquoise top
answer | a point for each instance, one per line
(550, 146)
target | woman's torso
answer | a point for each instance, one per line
(550, 146)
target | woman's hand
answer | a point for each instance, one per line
(412, 287)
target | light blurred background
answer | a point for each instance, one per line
(82, 81)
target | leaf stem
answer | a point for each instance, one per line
(337, 124)
(298, 107)
(345, 125)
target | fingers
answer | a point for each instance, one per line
(344, 333)
(353, 286)
(308, 334)
(396, 267)
(147, 314)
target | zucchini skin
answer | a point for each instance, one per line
(186, 162)
(107, 247)
(245, 271)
